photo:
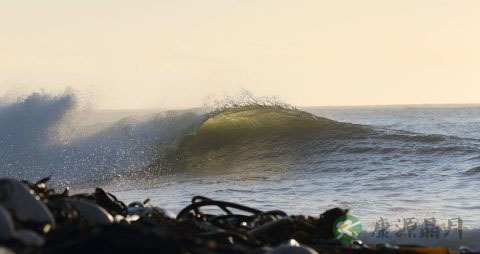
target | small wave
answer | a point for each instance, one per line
(446, 149)
(375, 149)
(472, 172)
(413, 137)
(474, 158)
(395, 176)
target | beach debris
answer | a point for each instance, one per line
(109, 202)
(37, 219)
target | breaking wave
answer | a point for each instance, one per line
(47, 135)
(41, 134)
(257, 133)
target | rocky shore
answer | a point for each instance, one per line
(37, 219)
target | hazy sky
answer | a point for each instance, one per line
(134, 54)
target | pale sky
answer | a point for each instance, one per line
(144, 54)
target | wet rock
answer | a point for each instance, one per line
(140, 211)
(4, 250)
(92, 213)
(6, 224)
(136, 204)
(465, 250)
(150, 211)
(293, 250)
(293, 247)
(25, 206)
(166, 213)
(29, 238)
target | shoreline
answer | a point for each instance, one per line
(37, 219)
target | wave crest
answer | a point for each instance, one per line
(258, 131)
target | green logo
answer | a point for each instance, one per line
(347, 228)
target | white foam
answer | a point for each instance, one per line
(43, 134)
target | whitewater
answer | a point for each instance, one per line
(388, 164)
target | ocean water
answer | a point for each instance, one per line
(393, 166)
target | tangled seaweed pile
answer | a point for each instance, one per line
(37, 219)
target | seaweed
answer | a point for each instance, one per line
(98, 222)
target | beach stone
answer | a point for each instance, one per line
(136, 204)
(146, 211)
(92, 213)
(29, 237)
(17, 198)
(292, 247)
(4, 250)
(6, 224)
(293, 250)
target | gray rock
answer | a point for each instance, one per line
(29, 237)
(16, 197)
(293, 250)
(6, 224)
(293, 247)
(145, 211)
(92, 213)
(136, 204)
(4, 250)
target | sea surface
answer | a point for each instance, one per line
(397, 168)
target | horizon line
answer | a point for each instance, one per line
(313, 106)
